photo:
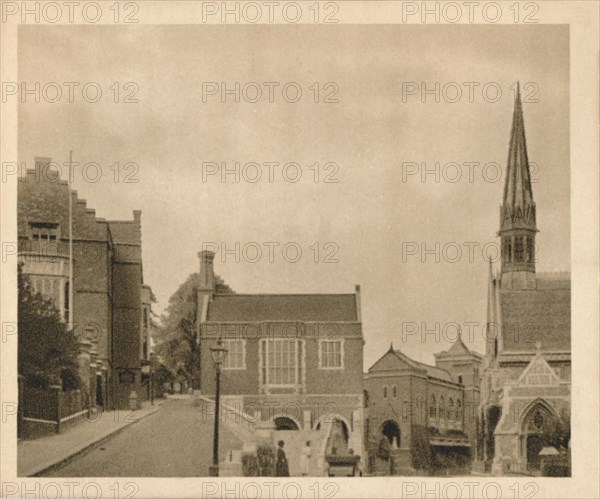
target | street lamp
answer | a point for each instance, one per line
(219, 353)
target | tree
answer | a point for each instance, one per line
(558, 431)
(176, 336)
(47, 351)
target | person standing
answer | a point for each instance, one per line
(305, 458)
(281, 466)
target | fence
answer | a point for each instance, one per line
(41, 410)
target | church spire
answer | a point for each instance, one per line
(517, 213)
(517, 184)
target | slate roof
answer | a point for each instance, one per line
(458, 348)
(125, 232)
(543, 314)
(282, 307)
(432, 371)
(402, 359)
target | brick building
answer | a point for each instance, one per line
(526, 388)
(293, 360)
(106, 308)
(422, 417)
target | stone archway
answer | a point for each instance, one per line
(283, 423)
(391, 431)
(539, 428)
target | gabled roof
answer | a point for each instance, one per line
(538, 372)
(282, 307)
(458, 349)
(395, 359)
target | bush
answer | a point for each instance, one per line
(422, 458)
(47, 351)
(266, 460)
(250, 465)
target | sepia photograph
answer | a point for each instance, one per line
(244, 240)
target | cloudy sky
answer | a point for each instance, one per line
(372, 214)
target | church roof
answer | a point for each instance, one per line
(542, 314)
(283, 307)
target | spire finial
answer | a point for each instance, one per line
(391, 346)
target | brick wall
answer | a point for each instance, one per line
(107, 272)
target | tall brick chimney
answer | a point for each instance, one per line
(206, 286)
(207, 272)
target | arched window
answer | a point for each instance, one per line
(385, 392)
(442, 410)
(458, 411)
(519, 249)
(394, 391)
(530, 249)
(451, 409)
(508, 250)
(432, 410)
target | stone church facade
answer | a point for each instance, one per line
(526, 384)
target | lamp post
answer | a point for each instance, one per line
(219, 352)
(151, 381)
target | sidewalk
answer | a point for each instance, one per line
(36, 456)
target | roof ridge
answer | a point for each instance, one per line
(398, 352)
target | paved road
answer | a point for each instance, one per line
(174, 442)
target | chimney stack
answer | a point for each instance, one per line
(207, 272)
(206, 286)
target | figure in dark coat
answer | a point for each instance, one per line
(281, 467)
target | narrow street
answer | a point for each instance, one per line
(174, 442)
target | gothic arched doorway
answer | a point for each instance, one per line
(539, 429)
(391, 431)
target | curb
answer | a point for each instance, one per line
(45, 468)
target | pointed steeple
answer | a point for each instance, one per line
(517, 184)
(517, 213)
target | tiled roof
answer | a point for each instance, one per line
(265, 307)
(125, 232)
(432, 371)
(543, 314)
(459, 348)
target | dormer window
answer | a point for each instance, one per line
(41, 231)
